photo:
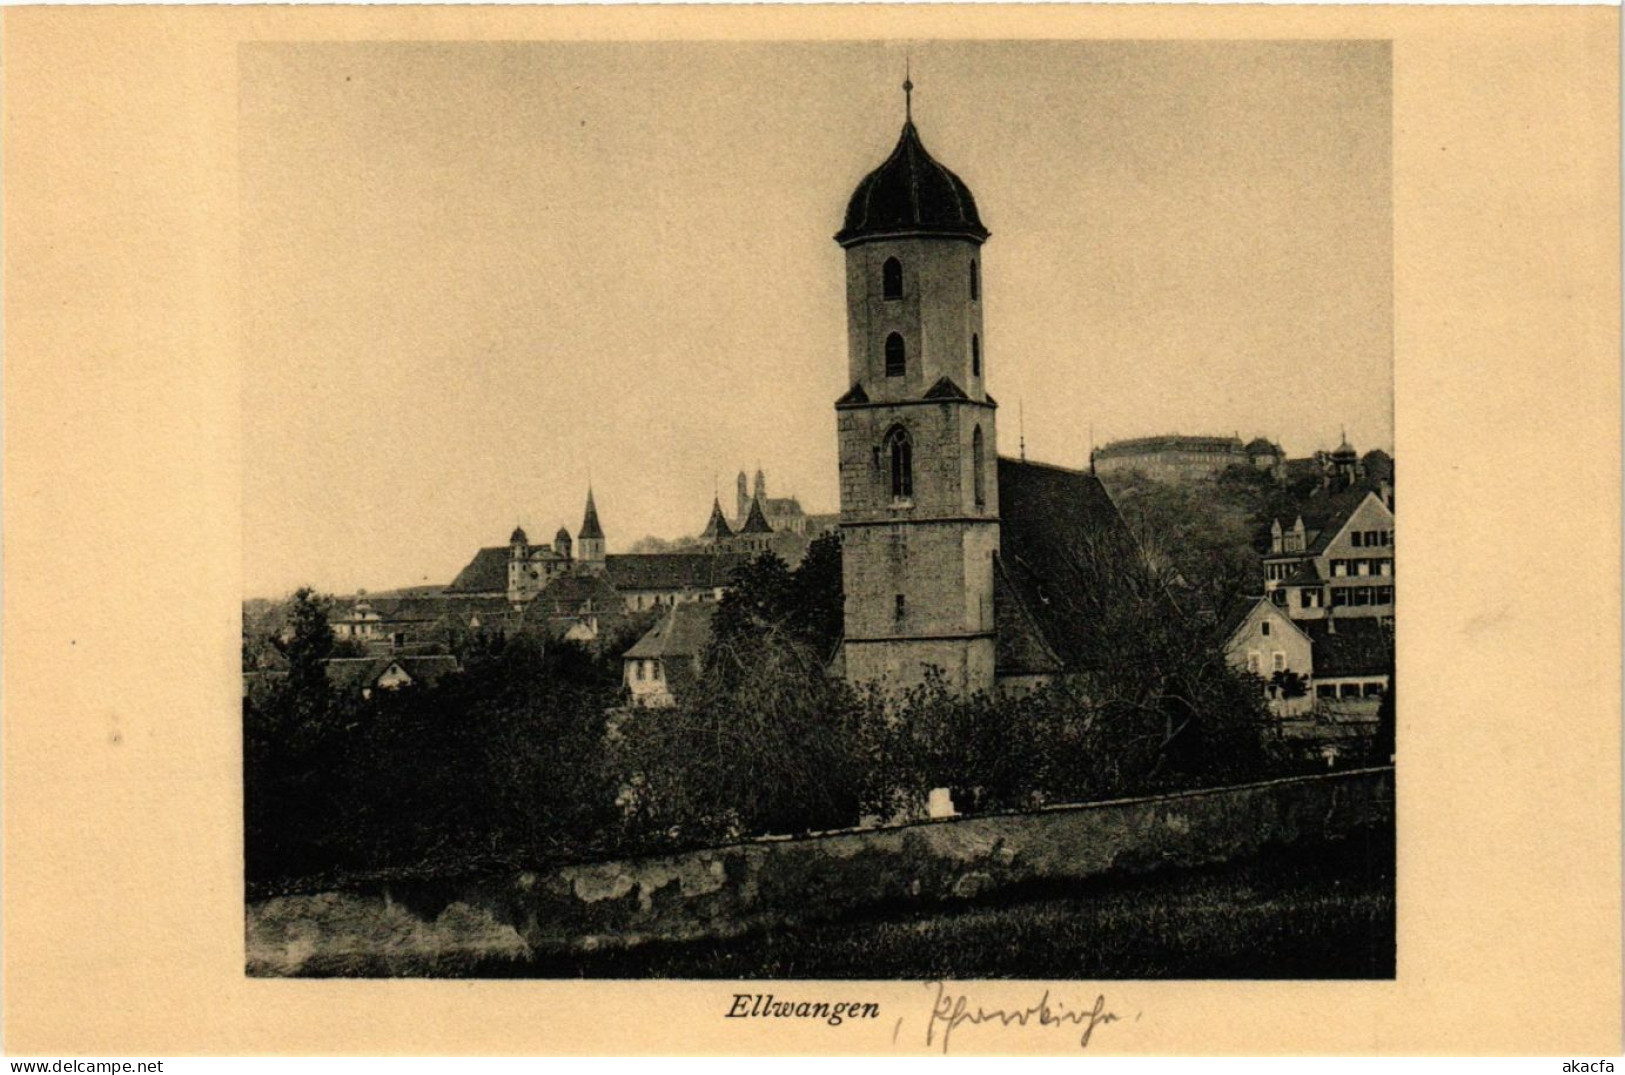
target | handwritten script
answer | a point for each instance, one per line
(950, 1011)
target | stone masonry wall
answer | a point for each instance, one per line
(435, 927)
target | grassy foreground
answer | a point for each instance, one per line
(1319, 912)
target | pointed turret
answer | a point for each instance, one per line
(756, 522)
(590, 539)
(717, 528)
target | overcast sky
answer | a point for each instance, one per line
(478, 274)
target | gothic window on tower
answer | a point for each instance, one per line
(975, 282)
(977, 468)
(975, 355)
(896, 356)
(891, 279)
(901, 453)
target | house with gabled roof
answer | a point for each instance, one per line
(669, 655)
(1338, 558)
(1261, 639)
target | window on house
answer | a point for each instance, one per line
(654, 669)
(1359, 538)
(1264, 628)
(975, 282)
(896, 356)
(637, 666)
(977, 468)
(1305, 600)
(1373, 690)
(1340, 569)
(901, 453)
(1278, 661)
(975, 355)
(1253, 659)
(891, 279)
(901, 608)
(1339, 598)
(1326, 691)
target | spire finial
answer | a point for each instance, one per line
(908, 91)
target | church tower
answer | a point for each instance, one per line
(918, 445)
(590, 540)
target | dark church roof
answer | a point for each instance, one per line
(911, 194)
(518, 537)
(1061, 538)
(486, 573)
(589, 523)
(671, 570)
(756, 522)
(562, 537)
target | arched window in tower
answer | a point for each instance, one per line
(896, 356)
(891, 279)
(975, 282)
(979, 481)
(901, 453)
(975, 355)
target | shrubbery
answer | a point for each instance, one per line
(529, 756)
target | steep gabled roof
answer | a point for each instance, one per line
(1019, 648)
(486, 573)
(1341, 509)
(1060, 538)
(684, 631)
(1243, 610)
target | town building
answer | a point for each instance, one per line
(1354, 662)
(363, 675)
(1335, 558)
(1261, 639)
(1175, 458)
(669, 656)
(927, 505)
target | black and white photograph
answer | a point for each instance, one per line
(865, 510)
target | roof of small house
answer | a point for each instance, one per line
(1350, 646)
(571, 595)
(684, 631)
(427, 669)
(355, 673)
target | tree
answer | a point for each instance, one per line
(763, 740)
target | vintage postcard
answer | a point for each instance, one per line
(856, 531)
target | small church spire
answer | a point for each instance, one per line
(908, 92)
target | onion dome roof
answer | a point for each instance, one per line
(911, 194)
